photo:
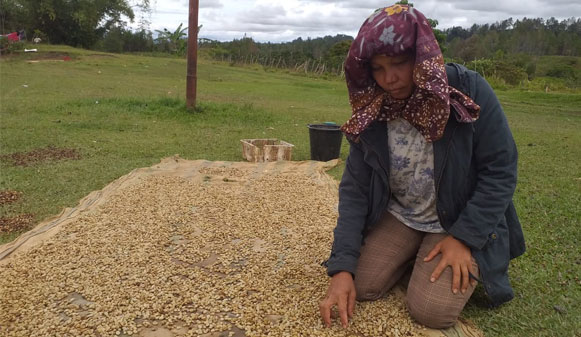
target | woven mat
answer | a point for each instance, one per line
(194, 248)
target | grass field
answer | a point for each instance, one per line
(121, 112)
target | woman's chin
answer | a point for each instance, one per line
(400, 94)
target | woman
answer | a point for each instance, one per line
(430, 177)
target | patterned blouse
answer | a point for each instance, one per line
(411, 178)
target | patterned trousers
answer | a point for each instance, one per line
(389, 248)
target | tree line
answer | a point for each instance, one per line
(529, 36)
(512, 50)
(509, 48)
(323, 54)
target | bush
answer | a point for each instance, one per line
(509, 72)
(525, 62)
(113, 40)
(137, 41)
(546, 84)
(219, 53)
(484, 67)
(558, 65)
(8, 47)
(497, 83)
(119, 39)
(41, 35)
(561, 70)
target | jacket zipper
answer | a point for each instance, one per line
(442, 173)
(379, 161)
(472, 276)
(386, 174)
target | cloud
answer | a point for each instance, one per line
(286, 21)
(267, 20)
(210, 4)
(185, 4)
(271, 13)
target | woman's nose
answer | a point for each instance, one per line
(390, 77)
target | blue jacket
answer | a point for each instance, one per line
(475, 171)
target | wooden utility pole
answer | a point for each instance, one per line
(192, 77)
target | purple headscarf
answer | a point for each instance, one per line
(394, 31)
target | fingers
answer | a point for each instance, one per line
(325, 309)
(465, 278)
(432, 253)
(455, 278)
(474, 273)
(342, 306)
(351, 304)
(333, 315)
(438, 270)
(341, 292)
(345, 309)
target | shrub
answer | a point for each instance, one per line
(508, 72)
(562, 70)
(497, 83)
(119, 39)
(546, 84)
(8, 47)
(511, 73)
(113, 40)
(39, 34)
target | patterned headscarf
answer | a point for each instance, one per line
(394, 31)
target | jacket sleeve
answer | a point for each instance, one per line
(495, 155)
(353, 210)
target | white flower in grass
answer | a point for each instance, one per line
(387, 36)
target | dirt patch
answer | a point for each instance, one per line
(50, 153)
(41, 56)
(51, 55)
(18, 223)
(102, 55)
(8, 197)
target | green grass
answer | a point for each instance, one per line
(127, 111)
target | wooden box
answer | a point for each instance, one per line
(260, 150)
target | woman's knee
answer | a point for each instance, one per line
(432, 314)
(367, 292)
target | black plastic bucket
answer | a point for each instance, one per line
(325, 141)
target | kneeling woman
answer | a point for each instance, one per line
(430, 177)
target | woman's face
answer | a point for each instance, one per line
(394, 74)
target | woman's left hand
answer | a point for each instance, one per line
(456, 255)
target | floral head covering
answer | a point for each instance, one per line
(394, 31)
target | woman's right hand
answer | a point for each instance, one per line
(341, 292)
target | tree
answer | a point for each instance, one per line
(172, 41)
(337, 54)
(145, 10)
(440, 36)
(456, 32)
(73, 22)
(121, 39)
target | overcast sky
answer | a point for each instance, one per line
(271, 20)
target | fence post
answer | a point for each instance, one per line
(192, 66)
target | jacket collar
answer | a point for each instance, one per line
(374, 140)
